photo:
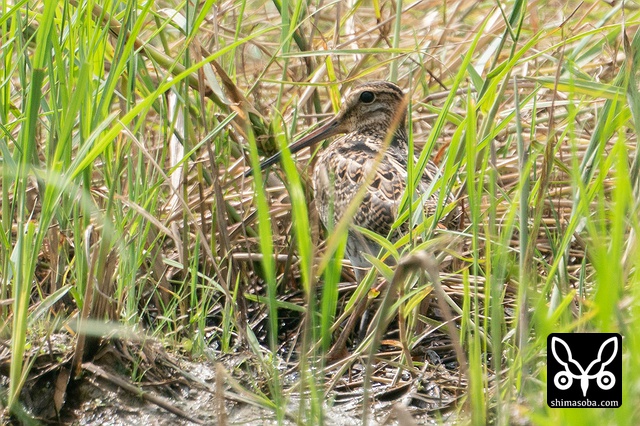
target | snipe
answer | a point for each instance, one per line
(371, 112)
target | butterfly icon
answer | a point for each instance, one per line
(564, 379)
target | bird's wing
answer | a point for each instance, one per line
(340, 174)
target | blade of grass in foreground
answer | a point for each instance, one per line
(268, 266)
(310, 361)
(24, 256)
(475, 370)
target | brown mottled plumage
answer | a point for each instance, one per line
(369, 113)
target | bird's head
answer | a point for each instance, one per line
(375, 106)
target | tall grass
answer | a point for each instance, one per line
(530, 108)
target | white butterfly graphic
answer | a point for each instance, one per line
(564, 379)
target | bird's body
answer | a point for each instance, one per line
(374, 152)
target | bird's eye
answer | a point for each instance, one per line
(367, 97)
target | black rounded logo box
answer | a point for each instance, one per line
(584, 370)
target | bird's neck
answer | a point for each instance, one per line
(399, 138)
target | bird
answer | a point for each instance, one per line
(373, 151)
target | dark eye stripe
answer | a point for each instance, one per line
(394, 88)
(383, 86)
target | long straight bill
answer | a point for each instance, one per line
(324, 132)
